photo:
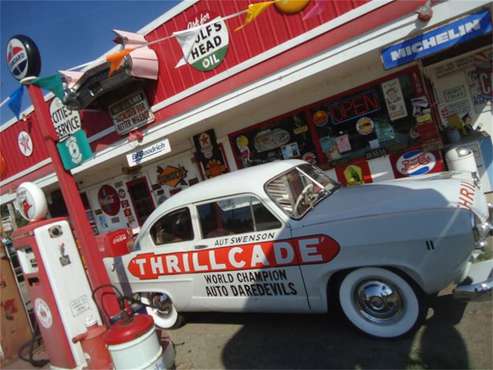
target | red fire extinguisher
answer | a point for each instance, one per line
(94, 347)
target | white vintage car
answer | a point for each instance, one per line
(284, 237)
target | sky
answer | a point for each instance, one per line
(68, 33)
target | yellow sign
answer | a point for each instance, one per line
(353, 175)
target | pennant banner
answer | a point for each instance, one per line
(186, 40)
(115, 59)
(253, 11)
(15, 101)
(52, 83)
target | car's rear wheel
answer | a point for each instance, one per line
(163, 312)
(379, 302)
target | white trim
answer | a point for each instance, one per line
(184, 5)
(291, 43)
(356, 47)
(27, 171)
(42, 183)
(101, 134)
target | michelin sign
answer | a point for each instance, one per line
(441, 38)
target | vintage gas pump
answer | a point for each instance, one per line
(55, 279)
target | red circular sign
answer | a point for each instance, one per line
(109, 200)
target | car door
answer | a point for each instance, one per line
(246, 261)
(162, 265)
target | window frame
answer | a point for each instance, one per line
(190, 214)
(282, 223)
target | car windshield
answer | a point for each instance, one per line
(300, 189)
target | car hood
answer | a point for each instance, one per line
(396, 196)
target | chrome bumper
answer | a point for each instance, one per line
(478, 285)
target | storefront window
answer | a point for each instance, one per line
(377, 117)
(282, 138)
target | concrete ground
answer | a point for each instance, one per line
(454, 336)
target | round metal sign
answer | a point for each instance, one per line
(23, 57)
(25, 143)
(30, 201)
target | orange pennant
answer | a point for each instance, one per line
(115, 59)
(253, 11)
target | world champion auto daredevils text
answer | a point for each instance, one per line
(312, 249)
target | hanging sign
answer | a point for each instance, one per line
(440, 38)
(150, 152)
(131, 112)
(74, 150)
(23, 57)
(211, 42)
(65, 121)
(25, 143)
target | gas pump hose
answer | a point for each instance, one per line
(30, 344)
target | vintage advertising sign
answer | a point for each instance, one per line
(155, 150)
(109, 200)
(30, 201)
(355, 173)
(314, 249)
(25, 143)
(416, 162)
(74, 150)
(211, 42)
(131, 112)
(441, 38)
(65, 121)
(394, 100)
(209, 154)
(23, 57)
(171, 175)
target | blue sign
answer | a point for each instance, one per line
(441, 38)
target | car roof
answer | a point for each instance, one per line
(251, 179)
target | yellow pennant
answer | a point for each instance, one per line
(253, 11)
(115, 59)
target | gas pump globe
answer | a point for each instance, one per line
(55, 279)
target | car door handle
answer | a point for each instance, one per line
(203, 246)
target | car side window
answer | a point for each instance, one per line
(173, 227)
(236, 215)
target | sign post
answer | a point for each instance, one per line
(24, 62)
(77, 214)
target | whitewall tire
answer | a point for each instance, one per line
(379, 302)
(164, 320)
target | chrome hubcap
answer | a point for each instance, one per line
(378, 301)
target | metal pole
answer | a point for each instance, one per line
(77, 214)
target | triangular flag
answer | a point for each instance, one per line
(115, 59)
(52, 83)
(15, 101)
(253, 11)
(315, 10)
(186, 39)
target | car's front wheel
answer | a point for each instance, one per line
(163, 311)
(379, 302)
